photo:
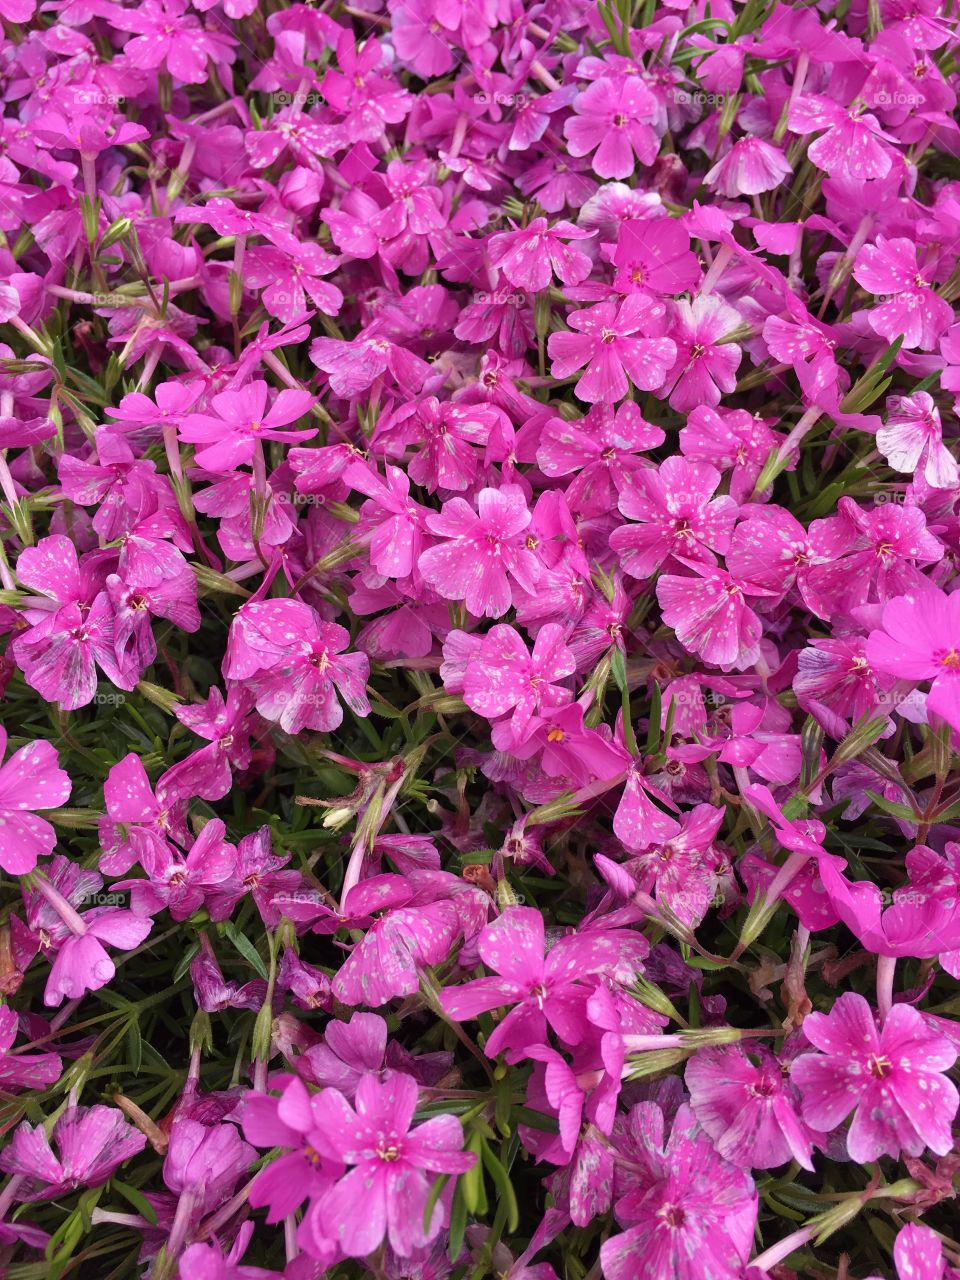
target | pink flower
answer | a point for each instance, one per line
(544, 986)
(289, 279)
(749, 167)
(31, 779)
(711, 617)
(599, 452)
(614, 121)
(242, 419)
(303, 1172)
(705, 364)
(23, 1070)
(919, 641)
(60, 652)
(676, 514)
(892, 1080)
(914, 310)
(614, 342)
(687, 1211)
(293, 663)
(385, 1192)
(486, 551)
(731, 440)
(913, 437)
(182, 884)
(91, 1142)
(504, 676)
(168, 36)
(680, 863)
(532, 255)
(852, 144)
(654, 256)
(747, 1107)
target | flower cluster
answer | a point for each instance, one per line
(479, 639)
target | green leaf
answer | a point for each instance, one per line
(501, 1180)
(185, 961)
(137, 1199)
(458, 1225)
(435, 1192)
(890, 806)
(246, 949)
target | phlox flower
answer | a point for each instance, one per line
(675, 512)
(294, 665)
(613, 121)
(504, 676)
(749, 167)
(384, 1194)
(614, 343)
(543, 986)
(748, 1108)
(891, 1079)
(240, 420)
(484, 552)
(913, 310)
(919, 640)
(86, 1147)
(912, 439)
(599, 453)
(530, 256)
(31, 779)
(686, 1210)
(705, 363)
(710, 615)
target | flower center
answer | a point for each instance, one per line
(672, 1215)
(878, 1065)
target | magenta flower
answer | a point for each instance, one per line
(531, 256)
(710, 615)
(892, 1079)
(167, 36)
(543, 986)
(486, 551)
(599, 452)
(676, 513)
(654, 256)
(731, 440)
(294, 665)
(750, 1111)
(31, 779)
(614, 343)
(913, 310)
(706, 361)
(182, 884)
(72, 634)
(912, 439)
(920, 641)
(348, 1052)
(242, 419)
(749, 167)
(851, 144)
(91, 1143)
(23, 1070)
(304, 1171)
(288, 280)
(505, 677)
(384, 1195)
(687, 1211)
(614, 121)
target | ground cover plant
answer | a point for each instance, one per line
(479, 640)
